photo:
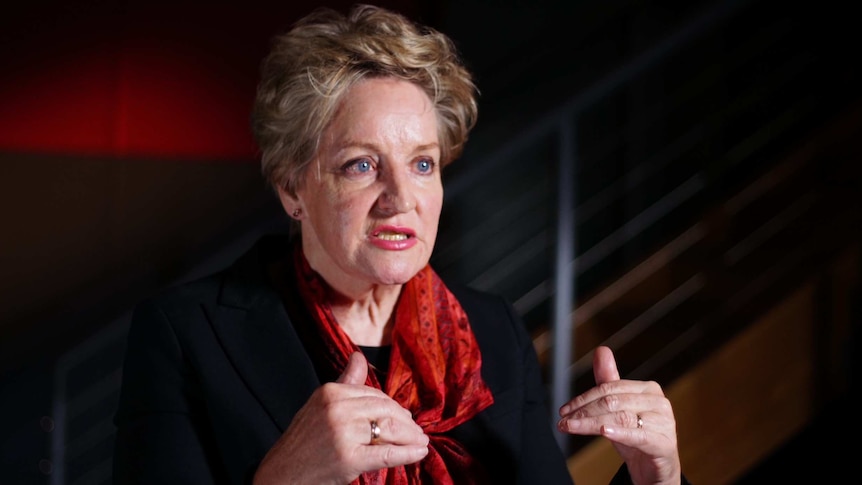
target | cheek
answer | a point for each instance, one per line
(434, 204)
(338, 205)
(341, 224)
(347, 219)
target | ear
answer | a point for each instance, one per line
(291, 203)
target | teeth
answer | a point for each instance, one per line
(392, 236)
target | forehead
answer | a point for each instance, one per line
(386, 108)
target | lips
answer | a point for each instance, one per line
(393, 238)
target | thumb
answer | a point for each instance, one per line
(604, 365)
(356, 370)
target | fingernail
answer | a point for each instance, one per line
(608, 431)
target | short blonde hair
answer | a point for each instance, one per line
(324, 54)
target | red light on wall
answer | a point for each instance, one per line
(152, 88)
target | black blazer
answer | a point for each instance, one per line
(214, 372)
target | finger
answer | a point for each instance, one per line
(356, 370)
(614, 396)
(350, 410)
(604, 365)
(388, 456)
(651, 433)
(396, 429)
(617, 420)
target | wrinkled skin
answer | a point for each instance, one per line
(329, 440)
(611, 409)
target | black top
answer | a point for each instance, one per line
(378, 358)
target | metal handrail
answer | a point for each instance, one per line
(561, 120)
(559, 125)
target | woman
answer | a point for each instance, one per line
(339, 356)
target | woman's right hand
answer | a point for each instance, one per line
(329, 439)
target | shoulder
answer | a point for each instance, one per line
(480, 303)
(239, 284)
(495, 323)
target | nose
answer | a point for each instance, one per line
(397, 196)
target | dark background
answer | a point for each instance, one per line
(128, 165)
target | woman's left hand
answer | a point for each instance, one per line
(635, 415)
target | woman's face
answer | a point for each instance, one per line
(371, 201)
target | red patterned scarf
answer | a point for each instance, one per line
(434, 371)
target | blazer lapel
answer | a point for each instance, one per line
(259, 339)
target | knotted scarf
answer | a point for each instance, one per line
(434, 371)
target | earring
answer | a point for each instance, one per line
(296, 213)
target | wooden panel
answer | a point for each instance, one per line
(739, 404)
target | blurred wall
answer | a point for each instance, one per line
(125, 149)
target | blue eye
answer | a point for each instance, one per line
(358, 166)
(425, 165)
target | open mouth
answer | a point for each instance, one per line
(392, 236)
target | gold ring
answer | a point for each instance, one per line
(375, 432)
(640, 422)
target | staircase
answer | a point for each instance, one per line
(716, 234)
(746, 317)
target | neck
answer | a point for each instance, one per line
(368, 320)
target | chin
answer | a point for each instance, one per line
(398, 275)
(394, 279)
